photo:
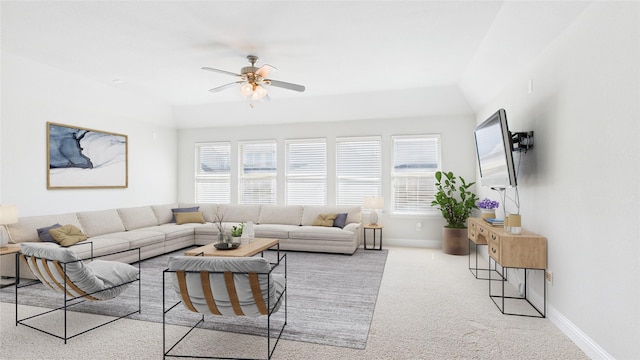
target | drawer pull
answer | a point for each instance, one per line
(493, 236)
(493, 250)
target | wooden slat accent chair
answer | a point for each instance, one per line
(77, 281)
(224, 286)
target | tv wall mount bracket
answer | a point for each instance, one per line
(522, 141)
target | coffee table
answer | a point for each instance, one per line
(257, 245)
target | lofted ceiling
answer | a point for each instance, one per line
(334, 48)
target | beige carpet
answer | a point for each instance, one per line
(429, 307)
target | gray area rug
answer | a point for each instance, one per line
(331, 298)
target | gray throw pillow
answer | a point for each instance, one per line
(340, 221)
(43, 233)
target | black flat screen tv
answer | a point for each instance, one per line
(495, 152)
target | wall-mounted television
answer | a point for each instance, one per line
(494, 147)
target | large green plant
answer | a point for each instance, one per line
(455, 202)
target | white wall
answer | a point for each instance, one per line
(579, 186)
(457, 149)
(33, 94)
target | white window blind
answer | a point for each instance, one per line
(306, 172)
(213, 173)
(258, 173)
(415, 161)
(358, 169)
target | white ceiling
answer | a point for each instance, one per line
(334, 48)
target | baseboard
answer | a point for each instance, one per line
(582, 341)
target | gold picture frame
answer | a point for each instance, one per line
(82, 158)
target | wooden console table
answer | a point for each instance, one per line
(527, 251)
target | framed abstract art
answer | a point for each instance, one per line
(79, 158)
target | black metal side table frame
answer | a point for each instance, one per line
(374, 238)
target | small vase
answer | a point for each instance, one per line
(488, 213)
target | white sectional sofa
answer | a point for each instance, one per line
(151, 229)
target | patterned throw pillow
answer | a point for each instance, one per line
(67, 235)
(182, 210)
(325, 220)
(189, 217)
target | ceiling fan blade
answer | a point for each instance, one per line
(265, 70)
(220, 71)
(285, 85)
(222, 87)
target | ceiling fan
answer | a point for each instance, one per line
(253, 80)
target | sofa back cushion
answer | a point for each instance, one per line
(163, 212)
(286, 214)
(239, 213)
(310, 213)
(137, 217)
(100, 222)
(26, 230)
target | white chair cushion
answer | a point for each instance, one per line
(95, 279)
(218, 285)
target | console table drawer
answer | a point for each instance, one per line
(476, 233)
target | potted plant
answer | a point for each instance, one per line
(456, 203)
(236, 232)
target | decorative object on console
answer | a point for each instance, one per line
(515, 224)
(488, 207)
(373, 203)
(85, 158)
(455, 202)
(8, 215)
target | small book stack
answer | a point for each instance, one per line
(494, 221)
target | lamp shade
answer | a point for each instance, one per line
(8, 214)
(373, 202)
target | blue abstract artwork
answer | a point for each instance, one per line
(85, 158)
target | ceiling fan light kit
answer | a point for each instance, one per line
(253, 81)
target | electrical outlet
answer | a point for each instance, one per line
(549, 276)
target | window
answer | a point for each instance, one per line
(258, 173)
(415, 162)
(358, 169)
(213, 173)
(306, 172)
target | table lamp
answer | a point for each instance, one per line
(8, 215)
(373, 203)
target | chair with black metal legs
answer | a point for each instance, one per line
(77, 280)
(228, 287)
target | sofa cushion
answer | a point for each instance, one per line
(26, 228)
(100, 222)
(140, 237)
(273, 231)
(321, 233)
(189, 217)
(274, 214)
(163, 212)
(137, 217)
(324, 220)
(43, 233)
(67, 235)
(239, 213)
